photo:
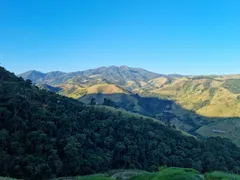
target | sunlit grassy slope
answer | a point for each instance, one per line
(73, 91)
(104, 89)
(170, 173)
(165, 174)
(207, 96)
(77, 91)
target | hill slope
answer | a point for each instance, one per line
(164, 110)
(195, 101)
(207, 96)
(211, 96)
(116, 75)
(163, 174)
(225, 128)
(44, 135)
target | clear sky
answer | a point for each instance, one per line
(165, 36)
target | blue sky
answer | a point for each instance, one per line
(165, 36)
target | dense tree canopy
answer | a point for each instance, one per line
(44, 135)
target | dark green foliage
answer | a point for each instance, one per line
(153, 106)
(212, 92)
(207, 84)
(201, 104)
(93, 101)
(232, 85)
(50, 88)
(187, 86)
(109, 102)
(34, 76)
(238, 99)
(44, 135)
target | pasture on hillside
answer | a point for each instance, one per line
(226, 128)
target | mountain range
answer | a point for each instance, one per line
(44, 135)
(187, 102)
(210, 95)
(112, 74)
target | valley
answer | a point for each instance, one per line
(191, 103)
(119, 90)
(44, 135)
(210, 96)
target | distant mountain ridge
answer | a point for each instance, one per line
(187, 102)
(39, 77)
(207, 95)
(113, 74)
(44, 135)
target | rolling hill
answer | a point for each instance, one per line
(207, 96)
(187, 102)
(211, 96)
(225, 128)
(44, 135)
(163, 173)
(164, 110)
(122, 75)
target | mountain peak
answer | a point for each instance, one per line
(124, 67)
(33, 75)
(110, 74)
(32, 71)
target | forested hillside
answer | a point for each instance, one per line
(44, 135)
(164, 110)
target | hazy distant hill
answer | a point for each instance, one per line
(33, 75)
(39, 77)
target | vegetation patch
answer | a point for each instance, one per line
(226, 128)
(201, 104)
(171, 173)
(94, 177)
(221, 176)
(233, 85)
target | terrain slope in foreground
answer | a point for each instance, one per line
(45, 135)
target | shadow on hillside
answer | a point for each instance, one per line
(167, 111)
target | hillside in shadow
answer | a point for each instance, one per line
(167, 111)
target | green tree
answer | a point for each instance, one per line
(93, 101)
